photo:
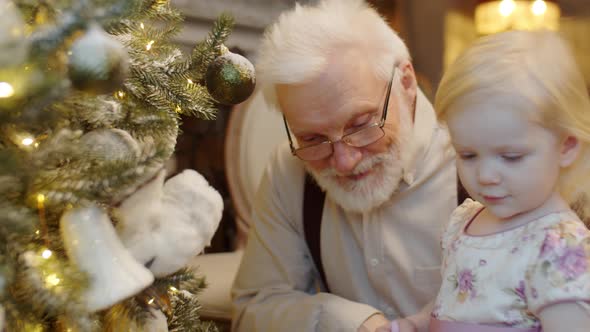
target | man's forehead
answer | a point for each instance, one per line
(333, 84)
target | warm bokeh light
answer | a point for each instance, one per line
(496, 16)
(27, 141)
(52, 279)
(46, 253)
(6, 90)
(539, 7)
(507, 7)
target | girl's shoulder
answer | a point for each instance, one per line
(465, 212)
(563, 225)
(460, 216)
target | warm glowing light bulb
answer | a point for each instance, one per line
(173, 289)
(539, 7)
(46, 253)
(507, 7)
(52, 279)
(190, 81)
(149, 45)
(151, 301)
(121, 94)
(40, 198)
(6, 90)
(141, 25)
(27, 141)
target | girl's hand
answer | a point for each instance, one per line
(398, 325)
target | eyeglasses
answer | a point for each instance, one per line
(358, 139)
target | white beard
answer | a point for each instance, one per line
(379, 185)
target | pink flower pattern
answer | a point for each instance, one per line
(558, 256)
(465, 281)
(573, 262)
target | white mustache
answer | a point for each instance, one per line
(361, 168)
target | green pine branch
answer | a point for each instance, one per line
(68, 169)
(210, 48)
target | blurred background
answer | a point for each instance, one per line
(436, 31)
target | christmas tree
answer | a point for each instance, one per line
(91, 95)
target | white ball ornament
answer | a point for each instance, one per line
(98, 63)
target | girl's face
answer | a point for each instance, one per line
(505, 161)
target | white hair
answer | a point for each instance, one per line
(297, 48)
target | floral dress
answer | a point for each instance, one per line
(505, 279)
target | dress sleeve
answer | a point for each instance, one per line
(561, 270)
(458, 218)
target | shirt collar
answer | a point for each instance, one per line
(422, 130)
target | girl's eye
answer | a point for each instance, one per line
(467, 156)
(512, 157)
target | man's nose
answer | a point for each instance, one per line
(345, 158)
(487, 174)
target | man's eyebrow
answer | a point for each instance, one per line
(364, 112)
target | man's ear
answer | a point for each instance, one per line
(408, 80)
(569, 150)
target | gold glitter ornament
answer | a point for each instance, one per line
(98, 63)
(230, 79)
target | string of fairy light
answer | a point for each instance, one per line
(27, 141)
(120, 94)
(7, 90)
(48, 271)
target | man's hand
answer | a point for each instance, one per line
(375, 323)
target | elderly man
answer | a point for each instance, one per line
(357, 122)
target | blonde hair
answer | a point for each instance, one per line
(536, 72)
(297, 48)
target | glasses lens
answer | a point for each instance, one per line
(315, 152)
(364, 136)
